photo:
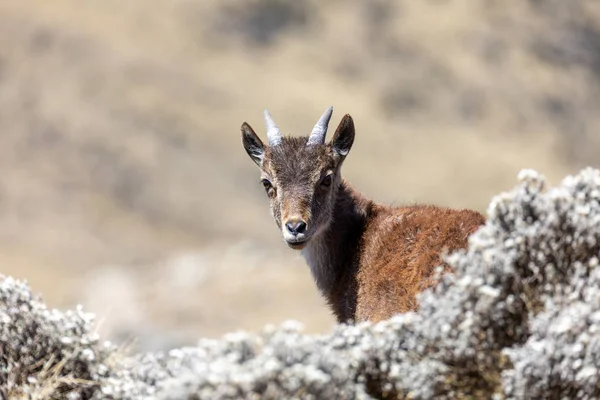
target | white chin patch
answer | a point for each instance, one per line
(289, 238)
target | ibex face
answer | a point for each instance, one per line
(300, 175)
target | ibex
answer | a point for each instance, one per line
(367, 259)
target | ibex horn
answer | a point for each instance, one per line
(317, 136)
(273, 132)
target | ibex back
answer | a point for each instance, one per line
(367, 259)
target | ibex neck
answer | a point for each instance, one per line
(333, 255)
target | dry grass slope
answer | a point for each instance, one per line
(119, 133)
(520, 319)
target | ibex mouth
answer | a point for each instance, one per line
(298, 244)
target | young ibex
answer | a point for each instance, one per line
(368, 260)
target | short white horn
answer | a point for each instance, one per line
(317, 136)
(273, 132)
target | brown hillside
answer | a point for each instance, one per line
(124, 183)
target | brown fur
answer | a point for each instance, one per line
(367, 259)
(400, 249)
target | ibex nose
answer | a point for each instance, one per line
(295, 226)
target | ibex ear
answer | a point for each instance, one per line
(253, 145)
(344, 136)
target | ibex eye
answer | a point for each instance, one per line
(327, 180)
(267, 185)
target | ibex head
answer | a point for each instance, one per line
(301, 175)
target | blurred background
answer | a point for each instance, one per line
(123, 182)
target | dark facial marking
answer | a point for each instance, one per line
(296, 164)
